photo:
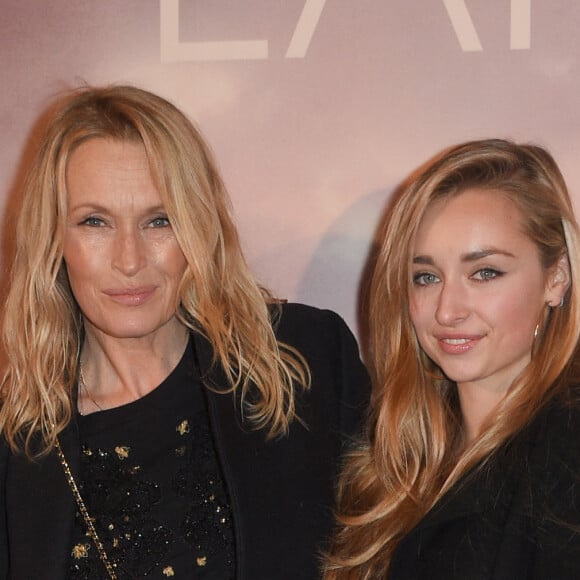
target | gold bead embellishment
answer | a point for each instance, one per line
(202, 561)
(183, 427)
(81, 551)
(122, 451)
(168, 571)
(91, 531)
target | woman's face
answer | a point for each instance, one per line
(478, 289)
(123, 261)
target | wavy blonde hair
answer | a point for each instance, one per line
(218, 297)
(415, 451)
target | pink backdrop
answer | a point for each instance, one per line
(316, 109)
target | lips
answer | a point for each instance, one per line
(458, 344)
(130, 296)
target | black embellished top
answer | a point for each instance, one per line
(151, 482)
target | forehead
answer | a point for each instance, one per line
(474, 217)
(109, 170)
(94, 154)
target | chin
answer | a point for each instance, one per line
(131, 329)
(461, 375)
(129, 334)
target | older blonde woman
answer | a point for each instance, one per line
(163, 416)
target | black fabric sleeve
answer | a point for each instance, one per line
(3, 526)
(338, 375)
(557, 505)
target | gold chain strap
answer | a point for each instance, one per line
(84, 512)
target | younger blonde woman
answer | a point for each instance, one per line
(471, 465)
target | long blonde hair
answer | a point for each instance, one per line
(414, 451)
(42, 325)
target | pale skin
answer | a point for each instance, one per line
(479, 290)
(124, 265)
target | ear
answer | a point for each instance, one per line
(558, 281)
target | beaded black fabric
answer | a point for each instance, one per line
(150, 479)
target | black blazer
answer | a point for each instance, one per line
(516, 518)
(281, 491)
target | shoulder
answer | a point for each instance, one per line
(3, 525)
(299, 324)
(541, 463)
(548, 449)
(322, 337)
(4, 454)
(553, 490)
(295, 312)
(338, 375)
(553, 458)
(555, 431)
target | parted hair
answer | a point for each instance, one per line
(218, 295)
(414, 449)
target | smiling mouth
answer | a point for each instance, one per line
(458, 345)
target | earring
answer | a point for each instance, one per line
(536, 331)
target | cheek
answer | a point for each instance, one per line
(81, 258)
(172, 260)
(519, 314)
(422, 321)
(170, 263)
(83, 268)
(514, 315)
(420, 312)
(77, 269)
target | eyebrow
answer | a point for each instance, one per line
(97, 208)
(468, 257)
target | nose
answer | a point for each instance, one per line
(452, 304)
(129, 254)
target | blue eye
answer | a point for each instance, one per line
(159, 222)
(486, 274)
(424, 279)
(92, 221)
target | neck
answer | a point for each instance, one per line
(477, 404)
(117, 371)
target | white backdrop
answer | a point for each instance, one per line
(316, 109)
